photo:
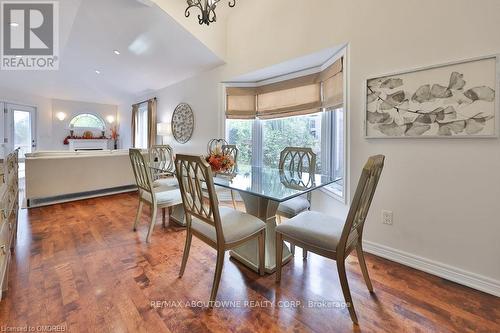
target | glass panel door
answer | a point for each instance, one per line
(21, 129)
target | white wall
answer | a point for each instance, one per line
(51, 131)
(444, 193)
(213, 36)
(202, 93)
(60, 129)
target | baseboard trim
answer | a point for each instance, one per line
(46, 201)
(454, 274)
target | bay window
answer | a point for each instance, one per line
(305, 111)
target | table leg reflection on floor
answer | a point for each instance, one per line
(265, 209)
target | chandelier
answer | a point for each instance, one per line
(207, 8)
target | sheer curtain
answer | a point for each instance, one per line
(144, 124)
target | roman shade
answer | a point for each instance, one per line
(240, 103)
(332, 80)
(293, 97)
(299, 96)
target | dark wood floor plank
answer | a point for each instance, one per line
(80, 265)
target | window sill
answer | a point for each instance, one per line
(334, 194)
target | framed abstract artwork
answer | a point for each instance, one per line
(452, 100)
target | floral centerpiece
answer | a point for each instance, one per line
(114, 136)
(219, 161)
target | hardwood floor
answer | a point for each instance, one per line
(80, 265)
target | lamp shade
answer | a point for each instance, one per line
(163, 129)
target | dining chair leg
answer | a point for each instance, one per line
(234, 200)
(154, 208)
(217, 275)
(163, 212)
(138, 215)
(279, 255)
(364, 269)
(345, 289)
(262, 252)
(304, 254)
(185, 255)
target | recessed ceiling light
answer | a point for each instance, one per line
(14, 24)
(97, 72)
(116, 52)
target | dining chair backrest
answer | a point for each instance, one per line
(298, 160)
(162, 154)
(232, 151)
(196, 184)
(353, 228)
(214, 143)
(296, 181)
(142, 172)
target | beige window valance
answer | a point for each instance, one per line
(240, 103)
(298, 96)
(332, 79)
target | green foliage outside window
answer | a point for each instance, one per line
(300, 131)
(240, 134)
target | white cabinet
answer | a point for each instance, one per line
(9, 206)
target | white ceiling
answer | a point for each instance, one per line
(155, 52)
(309, 61)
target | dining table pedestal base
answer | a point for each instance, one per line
(248, 254)
(177, 216)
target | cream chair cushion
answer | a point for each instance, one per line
(166, 182)
(236, 225)
(294, 206)
(165, 198)
(314, 228)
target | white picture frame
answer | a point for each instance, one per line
(448, 110)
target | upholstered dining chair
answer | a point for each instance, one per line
(148, 194)
(222, 228)
(163, 156)
(296, 160)
(232, 151)
(331, 237)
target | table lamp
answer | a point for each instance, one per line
(163, 130)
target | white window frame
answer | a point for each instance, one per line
(328, 127)
(87, 128)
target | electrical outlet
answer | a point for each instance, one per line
(387, 217)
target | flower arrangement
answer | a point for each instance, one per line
(114, 133)
(220, 162)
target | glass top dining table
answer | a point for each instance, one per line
(262, 190)
(272, 183)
